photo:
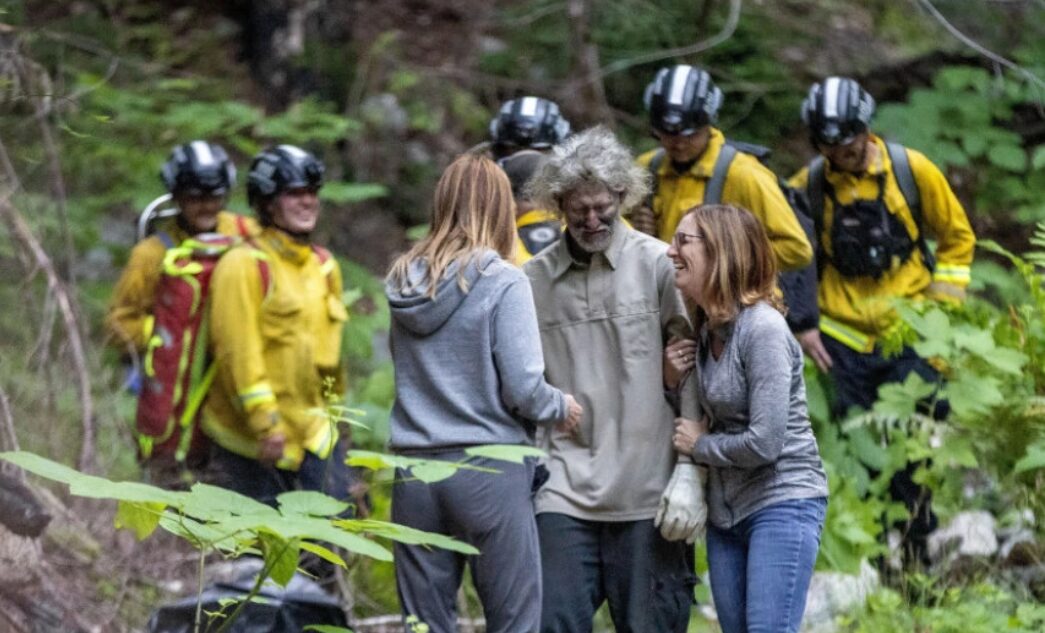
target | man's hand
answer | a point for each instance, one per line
(683, 511)
(679, 359)
(642, 219)
(687, 432)
(270, 448)
(574, 413)
(813, 346)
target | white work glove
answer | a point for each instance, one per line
(683, 510)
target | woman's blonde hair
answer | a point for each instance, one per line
(741, 266)
(472, 211)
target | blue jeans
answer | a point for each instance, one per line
(761, 567)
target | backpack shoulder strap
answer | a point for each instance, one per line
(165, 237)
(815, 192)
(909, 188)
(905, 179)
(713, 190)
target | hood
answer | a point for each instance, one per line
(423, 315)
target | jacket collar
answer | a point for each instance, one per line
(705, 164)
(285, 246)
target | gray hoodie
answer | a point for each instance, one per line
(468, 365)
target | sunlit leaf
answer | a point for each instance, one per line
(311, 503)
(515, 453)
(141, 518)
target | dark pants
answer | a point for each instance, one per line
(262, 482)
(760, 568)
(494, 513)
(856, 378)
(645, 578)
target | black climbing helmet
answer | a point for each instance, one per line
(836, 110)
(278, 169)
(198, 168)
(682, 99)
(529, 122)
(520, 168)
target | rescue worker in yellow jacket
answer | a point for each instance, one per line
(527, 123)
(536, 228)
(683, 104)
(275, 333)
(873, 204)
(199, 176)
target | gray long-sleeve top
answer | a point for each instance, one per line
(468, 365)
(761, 449)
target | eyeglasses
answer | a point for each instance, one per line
(681, 239)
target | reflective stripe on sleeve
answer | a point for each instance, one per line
(952, 274)
(256, 395)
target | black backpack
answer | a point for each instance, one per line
(798, 286)
(817, 185)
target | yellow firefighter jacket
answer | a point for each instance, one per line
(535, 230)
(749, 184)
(128, 321)
(274, 350)
(854, 310)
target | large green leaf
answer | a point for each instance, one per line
(1038, 160)
(281, 556)
(433, 471)
(971, 394)
(141, 518)
(1033, 460)
(212, 503)
(515, 453)
(1010, 157)
(310, 503)
(404, 534)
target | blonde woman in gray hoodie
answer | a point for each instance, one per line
(469, 371)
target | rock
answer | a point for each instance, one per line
(969, 534)
(833, 593)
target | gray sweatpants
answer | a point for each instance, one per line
(494, 513)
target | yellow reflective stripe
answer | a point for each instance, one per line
(322, 442)
(145, 445)
(952, 273)
(256, 395)
(851, 338)
(154, 343)
(148, 323)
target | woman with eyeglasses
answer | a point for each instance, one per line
(767, 491)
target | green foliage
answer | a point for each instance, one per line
(433, 470)
(978, 608)
(964, 122)
(211, 517)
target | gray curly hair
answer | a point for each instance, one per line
(594, 155)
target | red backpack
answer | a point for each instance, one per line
(177, 370)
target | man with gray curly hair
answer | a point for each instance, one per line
(606, 305)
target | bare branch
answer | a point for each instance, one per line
(23, 234)
(8, 437)
(968, 41)
(724, 34)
